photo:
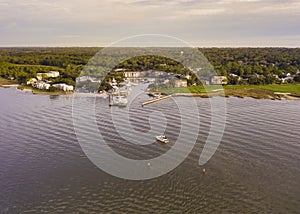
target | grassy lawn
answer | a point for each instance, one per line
(192, 89)
(254, 91)
(44, 92)
(7, 82)
(284, 88)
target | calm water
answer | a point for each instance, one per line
(43, 169)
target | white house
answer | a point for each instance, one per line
(132, 74)
(219, 80)
(41, 85)
(31, 81)
(52, 74)
(64, 87)
(87, 78)
(180, 83)
(287, 79)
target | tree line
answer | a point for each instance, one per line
(239, 65)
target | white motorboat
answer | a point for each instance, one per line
(120, 100)
(162, 139)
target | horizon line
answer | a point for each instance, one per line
(226, 46)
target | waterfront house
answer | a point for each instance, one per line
(219, 80)
(180, 83)
(132, 74)
(288, 79)
(64, 87)
(41, 85)
(87, 79)
(31, 81)
(51, 74)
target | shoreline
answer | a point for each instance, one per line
(10, 86)
(239, 93)
(5, 83)
(41, 92)
(242, 93)
(273, 92)
(209, 95)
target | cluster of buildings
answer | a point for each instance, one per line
(288, 77)
(180, 79)
(39, 82)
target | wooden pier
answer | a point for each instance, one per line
(156, 100)
(111, 103)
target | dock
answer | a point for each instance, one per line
(156, 100)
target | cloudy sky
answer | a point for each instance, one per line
(199, 22)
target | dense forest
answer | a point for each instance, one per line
(255, 65)
(239, 65)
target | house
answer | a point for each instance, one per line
(87, 78)
(51, 74)
(132, 74)
(219, 80)
(180, 83)
(64, 87)
(41, 85)
(31, 81)
(82, 79)
(287, 80)
(206, 82)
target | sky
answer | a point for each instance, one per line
(203, 23)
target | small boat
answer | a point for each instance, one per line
(153, 95)
(162, 139)
(120, 100)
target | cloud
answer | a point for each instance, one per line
(108, 20)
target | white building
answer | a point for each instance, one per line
(132, 74)
(41, 85)
(51, 74)
(287, 79)
(31, 81)
(87, 78)
(180, 83)
(219, 80)
(64, 87)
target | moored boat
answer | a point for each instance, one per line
(162, 138)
